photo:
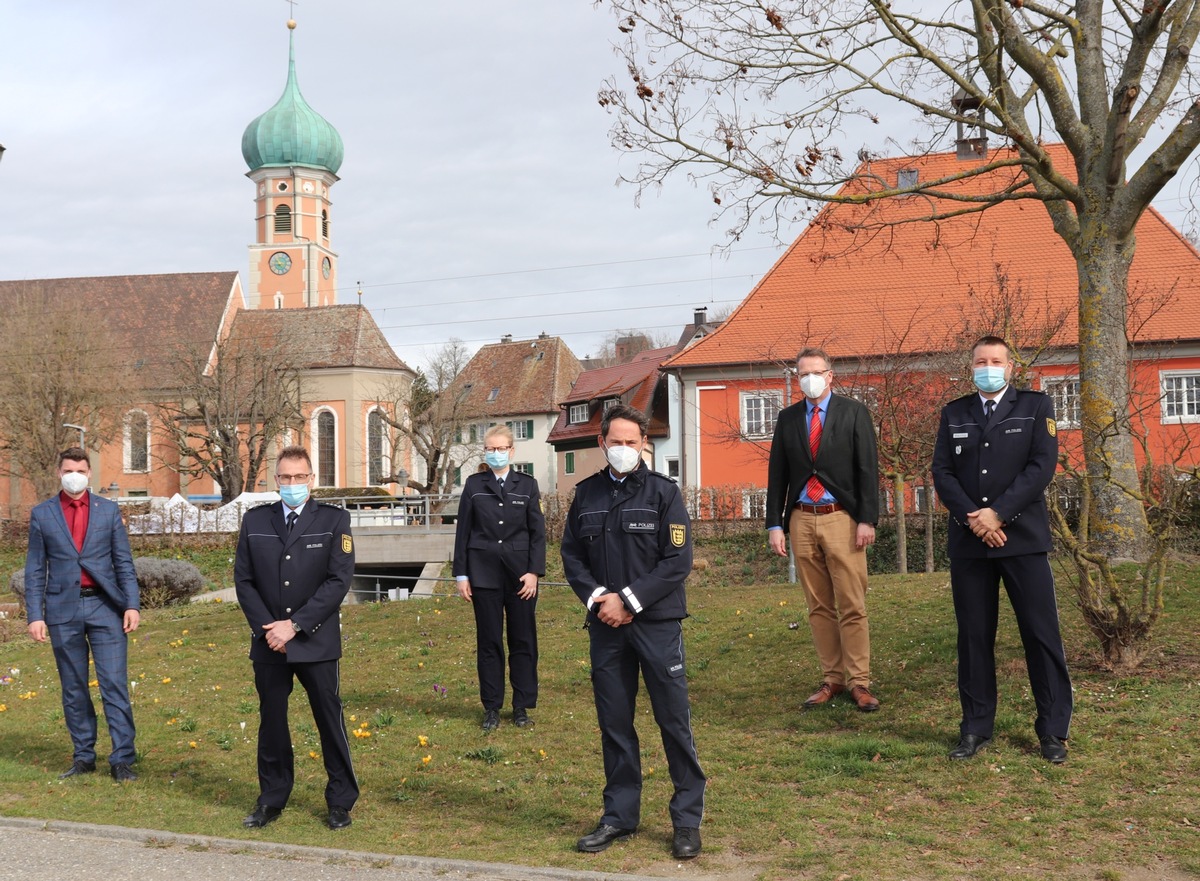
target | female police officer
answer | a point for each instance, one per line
(499, 554)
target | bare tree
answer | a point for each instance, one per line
(429, 416)
(228, 403)
(55, 369)
(749, 99)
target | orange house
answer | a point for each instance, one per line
(887, 297)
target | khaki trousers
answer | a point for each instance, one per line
(834, 574)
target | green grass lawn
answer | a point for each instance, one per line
(829, 793)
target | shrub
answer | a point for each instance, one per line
(166, 582)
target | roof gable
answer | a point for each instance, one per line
(637, 383)
(862, 280)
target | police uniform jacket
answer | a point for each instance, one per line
(499, 537)
(632, 537)
(303, 575)
(847, 462)
(1005, 465)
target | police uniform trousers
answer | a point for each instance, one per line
(98, 626)
(276, 762)
(975, 584)
(834, 574)
(617, 654)
(494, 607)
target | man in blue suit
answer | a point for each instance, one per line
(995, 454)
(82, 592)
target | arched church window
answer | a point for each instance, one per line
(137, 442)
(326, 449)
(377, 466)
(283, 219)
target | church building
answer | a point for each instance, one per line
(349, 375)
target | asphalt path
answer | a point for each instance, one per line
(56, 849)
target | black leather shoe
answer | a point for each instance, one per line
(686, 844)
(1053, 749)
(491, 720)
(339, 818)
(78, 767)
(263, 814)
(521, 717)
(122, 773)
(602, 836)
(968, 745)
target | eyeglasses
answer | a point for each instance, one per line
(290, 479)
(496, 449)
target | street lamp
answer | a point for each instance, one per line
(1, 151)
(82, 431)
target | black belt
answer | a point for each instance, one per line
(819, 509)
(89, 591)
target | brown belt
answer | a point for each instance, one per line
(819, 509)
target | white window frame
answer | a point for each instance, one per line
(920, 493)
(577, 414)
(609, 403)
(1169, 376)
(1067, 406)
(764, 424)
(520, 429)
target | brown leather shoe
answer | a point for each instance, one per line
(823, 695)
(866, 701)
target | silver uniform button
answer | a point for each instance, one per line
(501, 522)
(287, 584)
(985, 498)
(984, 471)
(289, 611)
(288, 557)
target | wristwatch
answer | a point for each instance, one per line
(296, 628)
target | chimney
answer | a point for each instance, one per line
(507, 338)
(972, 140)
(543, 335)
(700, 316)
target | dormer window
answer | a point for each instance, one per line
(906, 178)
(577, 414)
(493, 394)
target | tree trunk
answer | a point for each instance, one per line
(901, 526)
(930, 560)
(1116, 518)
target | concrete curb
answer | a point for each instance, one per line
(431, 866)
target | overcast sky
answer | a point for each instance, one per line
(477, 197)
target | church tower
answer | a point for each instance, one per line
(293, 154)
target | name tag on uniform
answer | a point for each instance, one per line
(959, 434)
(319, 544)
(641, 526)
(1012, 431)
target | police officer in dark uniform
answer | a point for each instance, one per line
(627, 551)
(996, 453)
(295, 560)
(499, 554)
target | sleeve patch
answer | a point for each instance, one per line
(347, 544)
(1051, 427)
(678, 534)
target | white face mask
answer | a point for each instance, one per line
(74, 482)
(622, 459)
(813, 385)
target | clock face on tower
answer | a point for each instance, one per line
(280, 263)
(326, 267)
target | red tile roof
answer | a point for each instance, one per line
(529, 376)
(326, 336)
(859, 282)
(636, 382)
(151, 317)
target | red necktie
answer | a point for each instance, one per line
(814, 488)
(77, 526)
